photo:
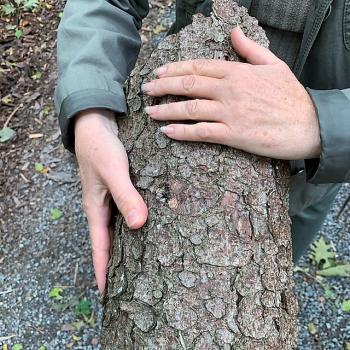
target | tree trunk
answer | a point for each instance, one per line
(212, 268)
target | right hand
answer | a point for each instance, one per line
(104, 172)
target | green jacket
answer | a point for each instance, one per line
(98, 44)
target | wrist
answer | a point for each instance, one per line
(90, 120)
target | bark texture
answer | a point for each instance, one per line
(212, 268)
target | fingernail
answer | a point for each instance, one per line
(151, 109)
(167, 130)
(146, 87)
(132, 218)
(161, 70)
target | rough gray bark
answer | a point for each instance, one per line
(211, 269)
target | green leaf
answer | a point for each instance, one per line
(6, 134)
(301, 269)
(83, 308)
(18, 33)
(312, 328)
(8, 9)
(36, 76)
(55, 293)
(329, 293)
(159, 28)
(56, 214)
(322, 253)
(336, 271)
(17, 347)
(39, 167)
(29, 5)
(345, 305)
(78, 325)
(42, 347)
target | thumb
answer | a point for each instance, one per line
(128, 200)
(251, 51)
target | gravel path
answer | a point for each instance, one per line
(38, 253)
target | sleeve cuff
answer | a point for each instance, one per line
(79, 92)
(333, 112)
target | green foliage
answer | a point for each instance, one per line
(39, 167)
(312, 328)
(17, 347)
(83, 308)
(341, 270)
(55, 293)
(56, 214)
(345, 305)
(6, 134)
(8, 9)
(42, 347)
(329, 293)
(322, 253)
(18, 33)
(30, 5)
(36, 76)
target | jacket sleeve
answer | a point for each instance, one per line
(97, 47)
(333, 111)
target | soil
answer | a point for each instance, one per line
(38, 253)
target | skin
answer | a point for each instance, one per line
(258, 106)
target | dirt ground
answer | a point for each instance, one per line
(46, 276)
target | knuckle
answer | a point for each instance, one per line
(87, 205)
(191, 108)
(199, 66)
(188, 82)
(203, 132)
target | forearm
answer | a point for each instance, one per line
(97, 47)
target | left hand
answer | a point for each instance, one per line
(258, 106)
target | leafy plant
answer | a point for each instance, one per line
(18, 33)
(6, 134)
(36, 76)
(17, 347)
(55, 293)
(56, 214)
(83, 308)
(329, 293)
(39, 167)
(8, 9)
(322, 253)
(312, 328)
(345, 305)
(341, 270)
(30, 5)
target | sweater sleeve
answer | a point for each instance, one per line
(97, 47)
(333, 112)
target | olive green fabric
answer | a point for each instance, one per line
(307, 223)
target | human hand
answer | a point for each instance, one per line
(258, 106)
(104, 172)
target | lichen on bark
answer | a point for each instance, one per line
(212, 267)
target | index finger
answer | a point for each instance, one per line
(205, 67)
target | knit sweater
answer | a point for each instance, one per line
(284, 22)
